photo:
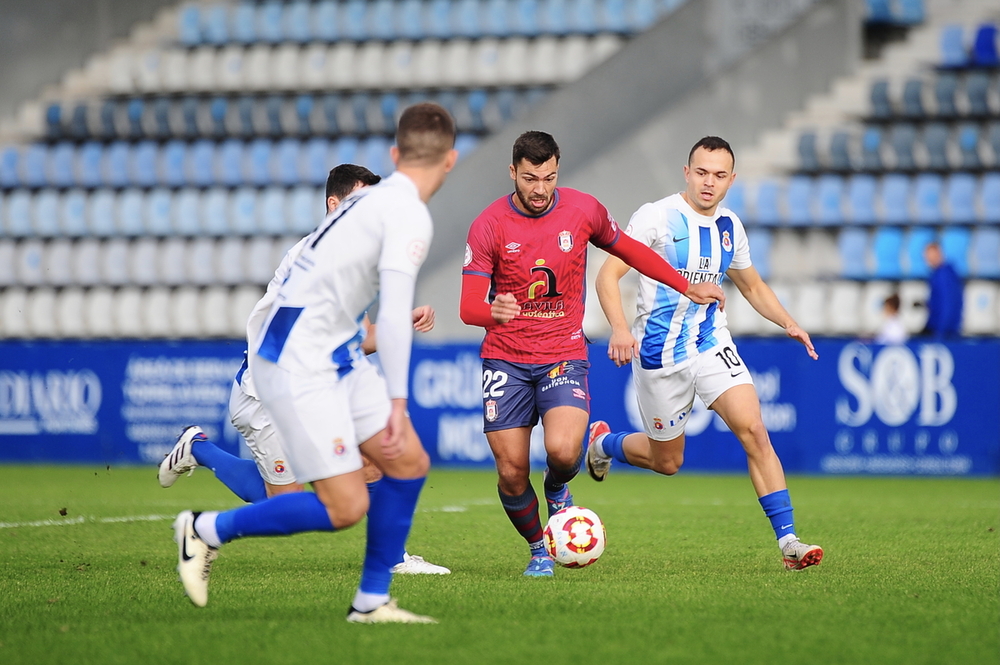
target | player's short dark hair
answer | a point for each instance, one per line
(892, 302)
(345, 177)
(712, 143)
(536, 147)
(426, 132)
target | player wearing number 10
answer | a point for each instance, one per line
(684, 348)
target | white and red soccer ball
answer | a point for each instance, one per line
(575, 537)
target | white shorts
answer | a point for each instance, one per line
(666, 395)
(322, 419)
(250, 419)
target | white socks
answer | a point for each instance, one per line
(366, 602)
(204, 526)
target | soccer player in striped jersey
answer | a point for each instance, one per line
(678, 347)
(530, 248)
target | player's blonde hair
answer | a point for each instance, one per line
(425, 134)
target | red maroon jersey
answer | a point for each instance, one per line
(542, 261)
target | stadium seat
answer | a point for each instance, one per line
(268, 22)
(895, 199)
(78, 126)
(960, 198)
(242, 23)
(989, 198)
(985, 256)
(760, 250)
(853, 249)
(129, 213)
(871, 149)
(229, 260)
(86, 262)
(32, 163)
(185, 212)
(798, 201)
(612, 16)
(981, 308)
(375, 155)
(524, 18)
(13, 315)
(200, 261)
(945, 88)
(881, 105)
(913, 310)
(872, 298)
(984, 46)
(766, 206)
(887, 247)
(185, 312)
(955, 246)
(968, 145)
(45, 213)
(213, 308)
(201, 68)
(843, 308)
(142, 164)
(915, 267)
(305, 208)
(215, 212)
(485, 65)
(353, 23)
(936, 136)
(155, 313)
(73, 213)
(904, 138)
(243, 217)
(256, 162)
(736, 200)
(928, 192)
(87, 167)
(115, 165)
(953, 52)
(57, 262)
(993, 140)
(41, 313)
(127, 313)
(115, 262)
(170, 167)
(840, 151)
(258, 268)
(286, 67)
(10, 158)
(241, 303)
(554, 17)
(295, 22)
(977, 89)
(101, 213)
(808, 152)
(143, 263)
(98, 312)
(465, 144)
(913, 98)
(171, 260)
(346, 150)
(409, 19)
(285, 162)
(157, 212)
(30, 262)
(270, 212)
(60, 172)
(69, 308)
(17, 214)
(455, 64)
(8, 262)
(830, 196)
(808, 305)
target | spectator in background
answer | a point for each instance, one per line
(892, 330)
(944, 304)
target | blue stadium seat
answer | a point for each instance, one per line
(115, 165)
(955, 246)
(215, 212)
(830, 198)
(218, 107)
(272, 111)
(79, 129)
(243, 23)
(909, 12)
(993, 140)
(798, 201)
(465, 19)
(268, 23)
(584, 17)
(60, 168)
(554, 15)
(346, 150)
(215, 24)
(257, 162)
(142, 163)
(887, 246)
(189, 118)
(989, 198)
(986, 252)
(243, 219)
(904, 138)
(390, 108)
(642, 15)
(465, 144)
(477, 101)
(977, 89)
(101, 213)
(853, 248)
(317, 161)
(107, 129)
(984, 46)
(881, 105)
(736, 200)
(89, 157)
(304, 105)
(305, 209)
(895, 199)
(157, 214)
(375, 155)
(381, 23)
(45, 213)
(228, 163)
(326, 21)
(296, 19)
(10, 159)
(524, 17)
(945, 87)
(913, 98)
(33, 160)
(968, 145)
(960, 198)
(285, 160)
(928, 193)
(871, 149)
(161, 119)
(953, 53)
(18, 214)
(129, 213)
(916, 240)
(766, 207)
(186, 212)
(134, 110)
(760, 250)
(53, 121)
(861, 196)
(613, 16)
(352, 20)
(808, 152)
(171, 167)
(271, 212)
(199, 162)
(878, 11)
(189, 25)
(73, 213)
(936, 141)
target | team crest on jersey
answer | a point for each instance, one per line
(491, 410)
(338, 447)
(727, 241)
(279, 467)
(468, 255)
(565, 241)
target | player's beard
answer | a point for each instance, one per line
(526, 202)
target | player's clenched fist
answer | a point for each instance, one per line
(705, 293)
(504, 307)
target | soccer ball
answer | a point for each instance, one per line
(575, 537)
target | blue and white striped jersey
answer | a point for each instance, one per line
(670, 328)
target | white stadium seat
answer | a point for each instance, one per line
(185, 312)
(341, 66)
(70, 319)
(14, 312)
(913, 305)
(809, 306)
(98, 312)
(741, 317)
(230, 68)
(787, 251)
(201, 69)
(120, 66)
(174, 70)
(485, 62)
(229, 260)
(573, 58)
(58, 262)
(844, 309)
(200, 261)
(30, 262)
(427, 56)
(257, 72)
(213, 309)
(156, 314)
(544, 60)
(603, 47)
(142, 262)
(873, 298)
(127, 313)
(42, 312)
(114, 262)
(400, 64)
(456, 59)
(8, 265)
(315, 61)
(149, 71)
(286, 63)
(981, 314)
(369, 65)
(514, 61)
(172, 259)
(241, 303)
(258, 267)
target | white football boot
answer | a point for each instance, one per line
(797, 555)
(416, 565)
(194, 558)
(180, 460)
(388, 613)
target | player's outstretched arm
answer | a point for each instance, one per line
(646, 261)
(762, 298)
(474, 309)
(622, 346)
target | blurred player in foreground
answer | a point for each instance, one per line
(321, 392)
(269, 473)
(530, 247)
(684, 347)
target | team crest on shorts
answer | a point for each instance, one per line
(727, 241)
(491, 410)
(657, 424)
(279, 466)
(565, 241)
(338, 447)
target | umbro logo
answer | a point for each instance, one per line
(512, 247)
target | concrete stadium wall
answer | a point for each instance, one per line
(723, 67)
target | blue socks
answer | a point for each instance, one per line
(778, 508)
(282, 515)
(389, 520)
(612, 444)
(239, 475)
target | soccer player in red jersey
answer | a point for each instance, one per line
(529, 248)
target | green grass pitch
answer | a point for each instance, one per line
(691, 575)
